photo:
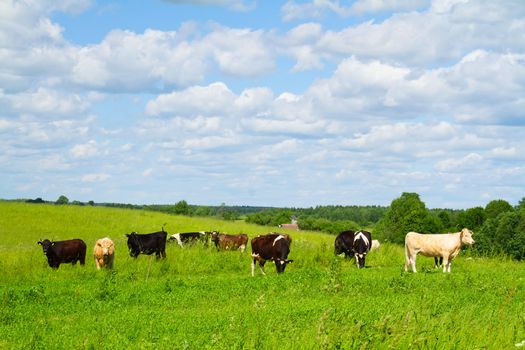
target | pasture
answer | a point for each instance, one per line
(199, 298)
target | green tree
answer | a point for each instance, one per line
(496, 207)
(62, 200)
(472, 219)
(181, 208)
(406, 213)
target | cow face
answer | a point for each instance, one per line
(133, 244)
(46, 245)
(280, 264)
(466, 237)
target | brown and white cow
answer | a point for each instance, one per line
(445, 245)
(104, 253)
(225, 241)
(273, 246)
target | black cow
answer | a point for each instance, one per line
(190, 237)
(275, 247)
(69, 251)
(354, 243)
(344, 243)
(148, 244)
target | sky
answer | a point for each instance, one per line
(267, 103)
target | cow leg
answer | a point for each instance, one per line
(253, 267)
(446, 264)
(261, 266)
(413, 262)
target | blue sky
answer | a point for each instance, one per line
(275, 103)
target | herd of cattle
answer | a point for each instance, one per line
(270, 247)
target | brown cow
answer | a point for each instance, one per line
(273, 246)
(59, 252)
(225, 241)
(104, 253)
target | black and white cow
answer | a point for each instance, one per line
(190, 237)
(59, 252)
(275, 247)
(354, 243)
(148, 243)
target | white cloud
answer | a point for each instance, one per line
(318, 8)
(471, 160)
(96, 177)
(236, 5)
(85, 150)
(213, 99)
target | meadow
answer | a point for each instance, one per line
(199, 298)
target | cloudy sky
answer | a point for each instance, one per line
(250, 102)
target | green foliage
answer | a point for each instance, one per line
(504, 234)
(406, 213)
(199, 298)
(496, 207)
(472, 218)
(62, 200)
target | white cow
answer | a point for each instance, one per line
(375, 244)
(445, 245)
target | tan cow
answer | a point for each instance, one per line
(445, 245)
(104, 253)
(375, 244)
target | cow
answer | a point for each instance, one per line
(443, 245)
(148, 244)
(275, 247)
(354, 243)
(190, 237)
(344, 243)
(104, 253)
(68, 251)
(375, 245)
(225, 241)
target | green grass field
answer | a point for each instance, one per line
(199, 298)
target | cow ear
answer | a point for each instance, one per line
(289, 261)
(127, 235)
(39, 242)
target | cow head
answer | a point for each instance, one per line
(46, 245)
(466, 237)
(106, 247)
(361, 247)
(280, 264)
(133, 244)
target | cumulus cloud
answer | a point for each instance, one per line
(236, 5)
(96, 177)
(318, 8)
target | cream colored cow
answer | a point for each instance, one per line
(446, 245)
(104, 253)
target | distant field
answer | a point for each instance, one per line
(202, 299)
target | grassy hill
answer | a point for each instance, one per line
(199, 298)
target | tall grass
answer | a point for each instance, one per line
(199, 298)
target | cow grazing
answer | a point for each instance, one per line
(104, 253)
(225, 241)
(361, 247)
(190, 237)
(148, 244)
(375, 244)
(59, 252)
(275, 247)
(354, 243)
(344, 243)
(444, 245)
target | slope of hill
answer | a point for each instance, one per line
(200, 298)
